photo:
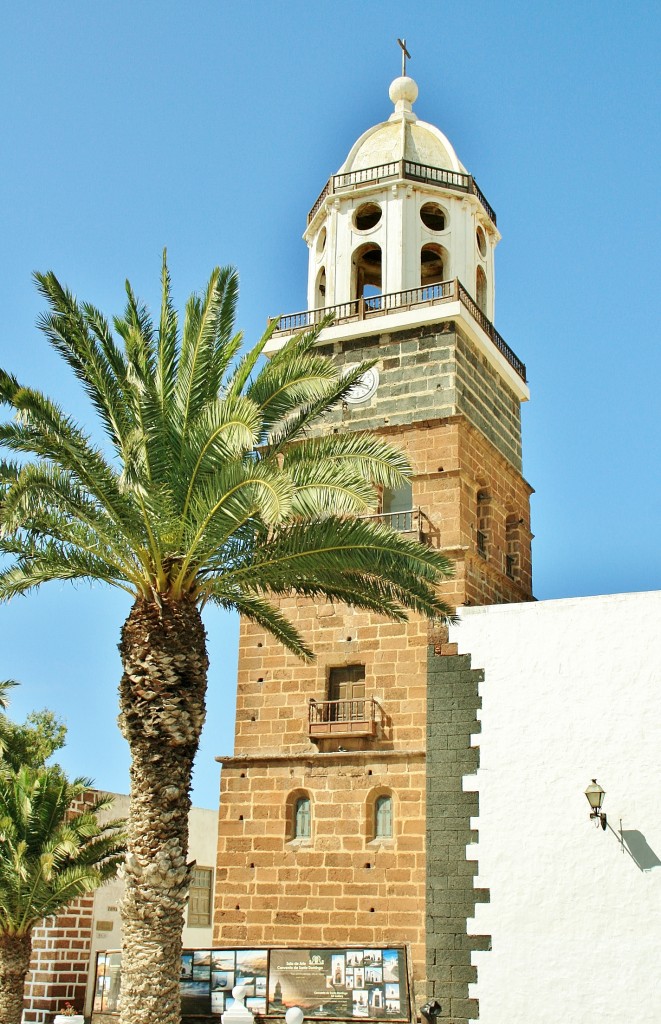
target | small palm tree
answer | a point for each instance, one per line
(211, 488)
(49, 856)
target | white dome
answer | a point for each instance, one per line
(402, 137)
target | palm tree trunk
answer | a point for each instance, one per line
(15, 953)
(162, 713)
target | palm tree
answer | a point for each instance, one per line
(49, 856)
(211, 487)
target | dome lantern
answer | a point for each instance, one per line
(401, 213)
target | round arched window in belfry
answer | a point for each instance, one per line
(367, 216)
(433, 216)
(481, 240)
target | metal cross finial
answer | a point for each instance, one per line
(405, 54)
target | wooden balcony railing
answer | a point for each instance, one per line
(410, 298)
(406, 170)
(358, 718)
(413, 521)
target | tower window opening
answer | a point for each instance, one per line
(483, 523)
(383, 817)
(433, 217)
(481, 289)
(512, 545)
(397, 507)
(367, 268)
(367, 216)
(432, 266)
(481, 240)
(303, 818)
(321, 289)
(321, 240)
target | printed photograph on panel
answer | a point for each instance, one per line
(222, 959)
(222, 981)
(391, 965)
(337, 969)
(195, 997)
(360, 1003)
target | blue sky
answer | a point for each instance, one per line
(211, 127)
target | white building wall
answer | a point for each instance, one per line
(571, 693)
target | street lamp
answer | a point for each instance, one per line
(595, 795)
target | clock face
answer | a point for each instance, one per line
(364, 387)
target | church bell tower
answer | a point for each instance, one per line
(401, 251)
(341, 819)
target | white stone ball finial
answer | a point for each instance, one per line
(403, 92)
(238, 1013)
(294, 1015)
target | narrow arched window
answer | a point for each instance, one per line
(302, 818)
(481, 289)
(383, 818)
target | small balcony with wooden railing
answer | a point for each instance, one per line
(372, 306)
(413, 522)
(361, 718)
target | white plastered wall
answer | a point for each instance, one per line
(571, 692)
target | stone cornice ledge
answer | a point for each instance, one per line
(312, 758)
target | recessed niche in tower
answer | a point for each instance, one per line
(481, 240)
(366, 270)
(367, 216)
(321, 240)
(432, 264)
(433, 217)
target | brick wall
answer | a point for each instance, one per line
(61, 955)
(60, 962)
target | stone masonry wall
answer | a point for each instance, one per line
(487, 401)
(342, 886)
(452, 705)
(430, 373)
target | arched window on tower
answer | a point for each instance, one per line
(512, 545)
(483, 523)
(302, 818)
(320, 290)
(367, 271)
(298, 816)
(433, 263)
(383, 817)
(481, 289)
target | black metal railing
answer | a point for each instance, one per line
(407, 170)
(375, 305)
